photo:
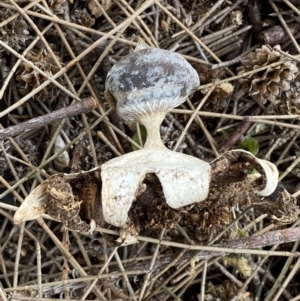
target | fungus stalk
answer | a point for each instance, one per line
(152, 124)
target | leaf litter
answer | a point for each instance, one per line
(166, 262)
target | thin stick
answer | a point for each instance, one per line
(203, 281)
(125, 276)
(78, 58)
(49, 78)
(285, 26)
(17, 260)
(2, 294)
(229, 79)
(39, 269)
(13, 187)
(248, 118)
(189, 32)
(145, 283)
(107, 142)
(192, 118)
(209, 138)
(84, 106)
(89, 289)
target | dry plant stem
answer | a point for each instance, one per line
(145, 35)
(125, 276)
(50, 79)
(82, 249)
(193, 36)
(55, 20)
(282, 275)
(165, 268)
(262, 262)
(39, 269)
(86, 82)
(90, 76)
(240, 246)
(65, 268)
(107, 261)
(266, 275)
(26, 269)
(2, 294)
(4, 271)
(201, 103)
(67, 254)
(205, 16)
(110, 21)
(203, 281)
(239, 130)
(226, 38)
(293, 7)
(289, 169)
(218, 34)
(274, 144)
(291, 158)
(288, 278)
(254, 222)
(16, 15)
(292, 141)
(78, 58)
(16, 65)
(147, 278)
(80, 279)
(95, 161)
(228, 274)
(229, 79)
(284, 25)
(170, 120)
(187, 278)
(168, 279)
(257, 119)
(106, 252)
(289, 55)
(12, 169)
(107, 142)
(31, 236)
(209, 138)
(17, 260)
(216, 17)
(45, 43)
(84, 106)
(13, 187)
(25, 298)
(138, 130)
(246, 283)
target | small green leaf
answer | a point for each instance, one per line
(250, 144)
(136, 139)
(241, 233)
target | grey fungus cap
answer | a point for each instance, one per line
(150, 80)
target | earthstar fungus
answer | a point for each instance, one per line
(147, 84)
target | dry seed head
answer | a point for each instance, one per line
(236, 17)
(164, 26)
(57, 6)
(82, 17)
(291, 101)
(15, 33)
(227, 87)
(29, 79)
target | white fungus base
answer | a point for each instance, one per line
(184, 179)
